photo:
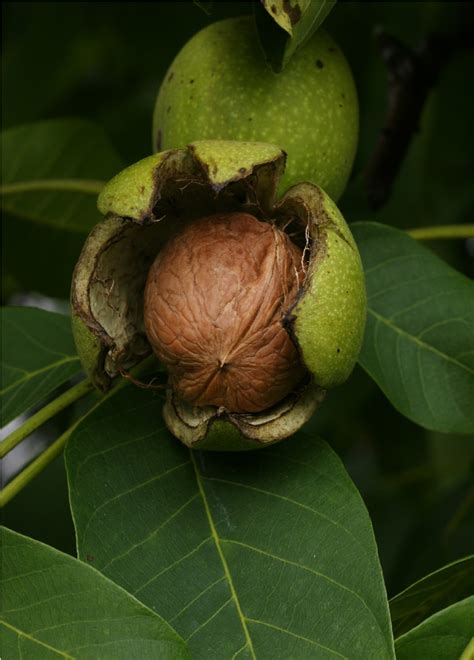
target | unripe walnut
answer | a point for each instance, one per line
(220, 86)
(215, 302)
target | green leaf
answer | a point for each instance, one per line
(52, 173)
(432, 593)
(443, 636)
(419, 340)
(252, 554)
(292, 24)
(47, 161)
(55, 606)
(38, 355)
(468, 653)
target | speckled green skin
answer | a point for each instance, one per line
(224, 436)
(228, 161)
(329, 318)
(220, 87)
(89, 349)
(129, 194)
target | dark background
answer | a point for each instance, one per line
(105, 62)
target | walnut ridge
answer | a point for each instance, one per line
(215, 301)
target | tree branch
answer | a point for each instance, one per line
(411, 76)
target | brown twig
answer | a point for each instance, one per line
(139, 383)
(411, 75)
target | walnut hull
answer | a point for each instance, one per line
(215, 301)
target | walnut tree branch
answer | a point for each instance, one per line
(411, 75)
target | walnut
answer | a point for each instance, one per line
(215, 302)
(226, 305)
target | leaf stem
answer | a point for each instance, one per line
(39, 418)
(34, 468)
(24, 477)
(442, 231)
(74, 185)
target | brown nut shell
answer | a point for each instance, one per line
(215, 301)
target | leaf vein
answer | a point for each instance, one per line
(213, 616)
(151, 535)
(124, 493)
(305, 639)
(222, 556)
(201, 593)
(29, 636)
(170, 566)
(422, 344)
(309, 570)
(291, 501)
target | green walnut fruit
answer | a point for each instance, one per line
(220, 87)
(255, 306)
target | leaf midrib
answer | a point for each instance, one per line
(28, 217)
(21, 633)
(294, 503)
(30, 375)
(292, 634)
(313, 20)
(222, 556)
(419, 342)
(302, 567)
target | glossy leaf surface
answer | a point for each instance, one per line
(419, 340)
(254, 554)
(55, 606)
(38, 355)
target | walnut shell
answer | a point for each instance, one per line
(215, 302)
